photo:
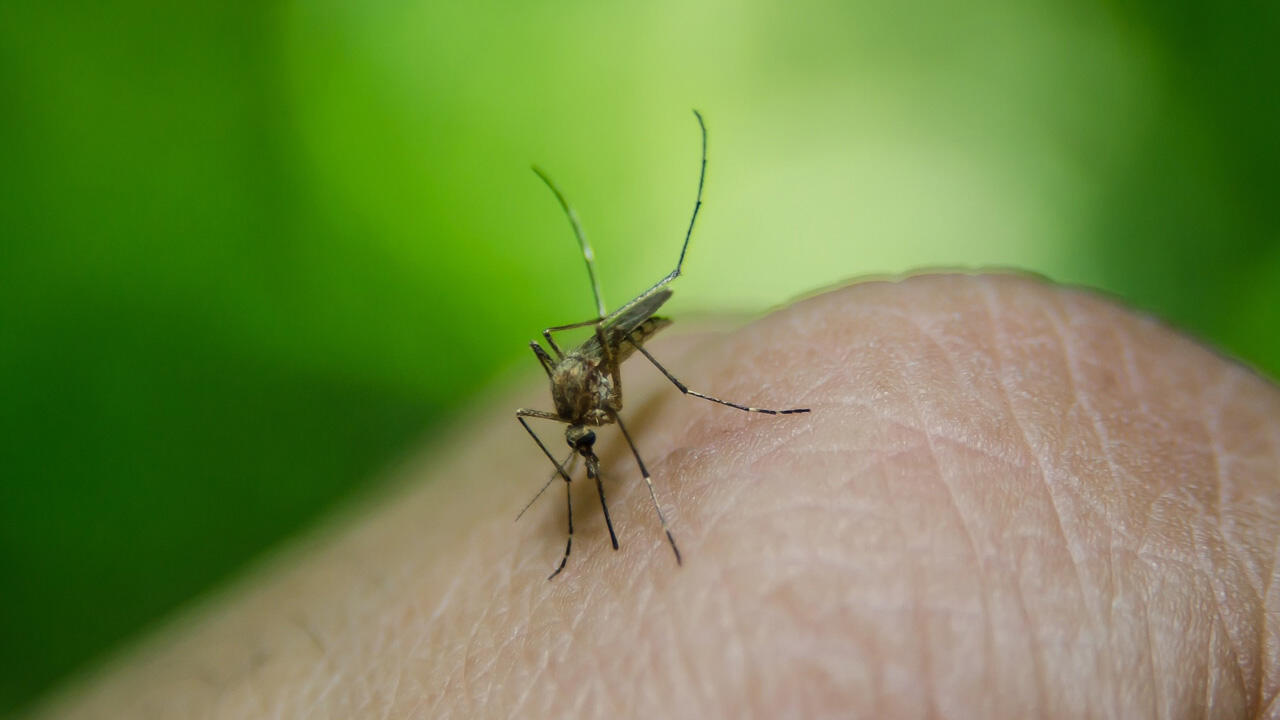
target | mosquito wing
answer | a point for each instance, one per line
(635, 319)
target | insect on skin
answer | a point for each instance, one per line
(586, 385)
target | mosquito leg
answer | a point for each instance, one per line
(570, 326)
(587, 253)
(546, 333)
(644, 471)
(593, 471)
(568, 464)
(606, 350)
(568, 545)
(540, 414)
(611, 364)
(685, 389)
(523, 413)
(547, 363)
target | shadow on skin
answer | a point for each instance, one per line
(1010, 500)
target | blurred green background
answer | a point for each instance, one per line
(253, 252)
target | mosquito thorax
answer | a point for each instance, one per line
(581, 391)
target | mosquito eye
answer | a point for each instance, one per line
(584, 440)
(579, 437)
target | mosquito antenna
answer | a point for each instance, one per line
(697, 205)
(572, 460)
(587, 253)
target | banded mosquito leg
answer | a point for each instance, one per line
(548, 364)
(644, 471)
(593, 472)
(685, 388)
(546, 333)
(523, 413)
(568, 545)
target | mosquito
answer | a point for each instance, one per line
(586, 384)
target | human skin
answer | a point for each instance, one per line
(1010, 500)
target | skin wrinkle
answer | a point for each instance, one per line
(597, 685)
(560, 652)
(329, 686)
(1206, 678)
(1094, 503)
(484, 670)
(1126, 341)
(1157, 701)
(1215, 669)
(394, 692)
(1221, 394)
(520, 708)
(525, 689)
(1270, 646)
(1071, 309)
(1202, 574)
(1205, 573)
(415, 709)
(724, 507)
(1040, 461)
(987, 293)
(913, 574)
(509, 644)
(1132, 376)
(1037, 666)
(669, 651)
(743, 665)
(1159, 564)
(469, 651)
(1239, 539)
(736, 661)
(1243, 671)
(1255, 525)
(1081, 399)
(1166, 655)
(1272, 626)
(708, 674)
(923, 430)
(577, 700)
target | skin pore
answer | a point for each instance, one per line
(1010, 500)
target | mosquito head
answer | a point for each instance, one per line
(580, 438)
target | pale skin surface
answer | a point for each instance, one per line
(1010, 500)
